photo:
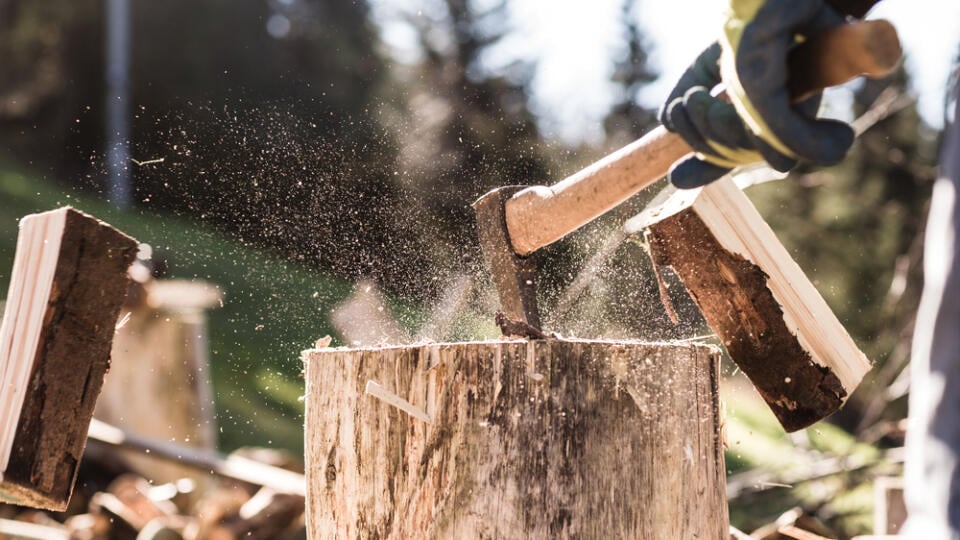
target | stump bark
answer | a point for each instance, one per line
(515, 439)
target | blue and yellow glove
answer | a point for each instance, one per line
(759, 123)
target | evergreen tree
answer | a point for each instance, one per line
(628, 120)
(461, 129)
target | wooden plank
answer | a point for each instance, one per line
(552, 438)
(67, 286)
(772, 320)
(210, 462)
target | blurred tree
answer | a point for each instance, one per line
(50, 71)
(628, 120)
(462, 129)
(262, 115)
(255, 115)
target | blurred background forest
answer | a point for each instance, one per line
(283, 151)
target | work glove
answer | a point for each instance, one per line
(759, 122)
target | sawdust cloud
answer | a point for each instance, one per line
(314, 199)
(299, 186)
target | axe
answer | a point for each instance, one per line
(515, 221)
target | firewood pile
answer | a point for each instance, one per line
(113, 502)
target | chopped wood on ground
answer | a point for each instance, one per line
(114, 502)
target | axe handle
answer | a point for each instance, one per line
(540, 215)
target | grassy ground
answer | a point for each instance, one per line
(823, 469)
(272, 308)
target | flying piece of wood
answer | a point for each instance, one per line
(67, 286)
(773, 322)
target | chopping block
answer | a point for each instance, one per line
(552, 438)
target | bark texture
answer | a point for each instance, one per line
(733, 296)
(770, 317)
(526, 439)
(74, 353)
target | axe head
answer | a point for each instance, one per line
(513, 275)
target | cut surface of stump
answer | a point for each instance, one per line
(771, 319)
(551, 438)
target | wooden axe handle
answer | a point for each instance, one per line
(541, 215)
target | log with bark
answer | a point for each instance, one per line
(68, 282)
(551, 438)
(771, 319)
(159, 381)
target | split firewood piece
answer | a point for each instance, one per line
(23, 530)
(235, 466)
(773, 322)
(128, 498)
(266, 516)
(794, 524)
(68, 283)
(95, 525)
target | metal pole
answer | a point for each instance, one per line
(119, 191)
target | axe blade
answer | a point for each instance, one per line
(513, 275)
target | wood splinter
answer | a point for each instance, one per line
(388, 397)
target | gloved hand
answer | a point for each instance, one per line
(759, 122)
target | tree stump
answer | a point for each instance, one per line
(552, 438)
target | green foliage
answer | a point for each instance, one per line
(272, 308)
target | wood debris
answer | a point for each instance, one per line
(112, 502)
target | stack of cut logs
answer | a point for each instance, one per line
(127, 506)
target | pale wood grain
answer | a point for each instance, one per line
(530, 439)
